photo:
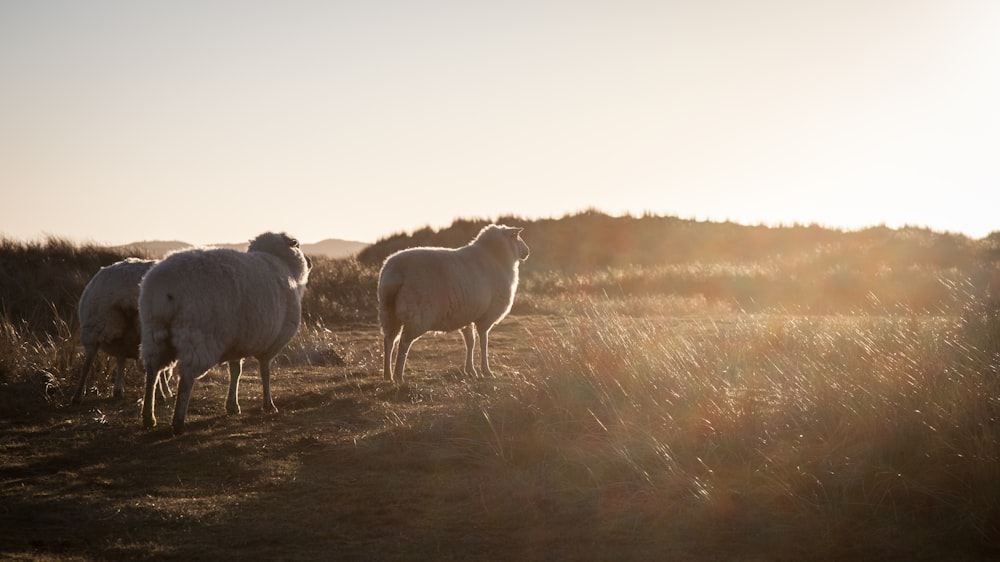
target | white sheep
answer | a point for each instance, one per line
(201, 307)
(442, 289)
(109, 320)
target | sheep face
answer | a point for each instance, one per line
(505, 242)
(286, 248)
(520, 247)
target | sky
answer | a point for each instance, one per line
(212, 121)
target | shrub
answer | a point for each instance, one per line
(341, 291)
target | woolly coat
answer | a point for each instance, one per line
(444, 289)
(109, 308)
(206, 306)
(109, 319)
(201, 307)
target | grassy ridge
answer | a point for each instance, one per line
(754, 268)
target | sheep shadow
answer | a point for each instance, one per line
(83, 481)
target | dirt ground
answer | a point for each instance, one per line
(352, 466)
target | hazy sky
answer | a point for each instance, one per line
(211, 121)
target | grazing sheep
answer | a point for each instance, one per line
(444, 289)
(201, 307)
(109, 320)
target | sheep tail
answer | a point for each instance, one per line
(388, 288)
(157, 318)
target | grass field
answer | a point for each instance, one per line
(666, 390)
(694, 434)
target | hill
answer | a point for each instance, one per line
(334, 248)
(592, 240)
(752, 267)
(330, 247)
(807, 269)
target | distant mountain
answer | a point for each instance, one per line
(153, 248)
(334, 248)
(331, 247)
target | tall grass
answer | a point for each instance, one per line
(767, 426)
(788, 285)
(35, 367)
(41, 282)
(40, 286)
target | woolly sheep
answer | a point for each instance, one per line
(442, 289)
(200, 307)
(109, 320)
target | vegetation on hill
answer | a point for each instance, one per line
(795, 268)
(806, 269)
(41, 282)
(592, 240)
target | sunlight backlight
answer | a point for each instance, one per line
(138, 121)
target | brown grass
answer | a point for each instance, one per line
(678, 412)
(575, 452)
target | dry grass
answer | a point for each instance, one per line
(641, 412)
(607, 436)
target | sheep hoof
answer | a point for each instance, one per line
(178, 428)
(233, 409)
(149, 423)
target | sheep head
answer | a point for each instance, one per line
(519, 244)
(285, 247)
(504, 241)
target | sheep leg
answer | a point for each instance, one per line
(184, 387)
(405, 341)
(81, 385)
(470, 343)
(390, 331)
(265, 381)
(149, 400)
(484, 346)
(119, 390)
(388, 343)
(164, 386)
(232, 400)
